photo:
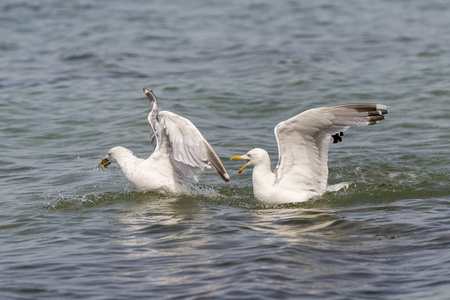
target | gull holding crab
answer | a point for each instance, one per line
(180, 155)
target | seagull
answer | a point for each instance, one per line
(181, 154)
(302, 170)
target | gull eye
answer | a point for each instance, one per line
(249, 155)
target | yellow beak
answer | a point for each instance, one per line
(246, 164)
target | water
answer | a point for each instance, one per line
(71, 81)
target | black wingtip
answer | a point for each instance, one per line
(150, 95)
(215, 161)
(225, 177)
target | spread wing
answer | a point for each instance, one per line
(303, 141)
(190, 151)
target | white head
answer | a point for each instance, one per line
(114, 154)
(254, 157)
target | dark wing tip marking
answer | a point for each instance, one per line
(374, 119)
(150, 95)
(215, 161)
(375, 112)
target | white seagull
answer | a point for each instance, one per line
(181, 154)
(302, 168)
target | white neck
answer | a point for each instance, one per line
(263, 178)
(127, 163)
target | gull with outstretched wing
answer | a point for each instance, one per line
(181, 154)
(302, 169)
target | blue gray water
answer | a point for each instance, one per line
(71, 80)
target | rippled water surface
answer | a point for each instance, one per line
(71, 81)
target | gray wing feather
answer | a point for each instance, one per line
(303, 140)
(191, 152)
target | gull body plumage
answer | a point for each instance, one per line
(303, 140)
(181, 154)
